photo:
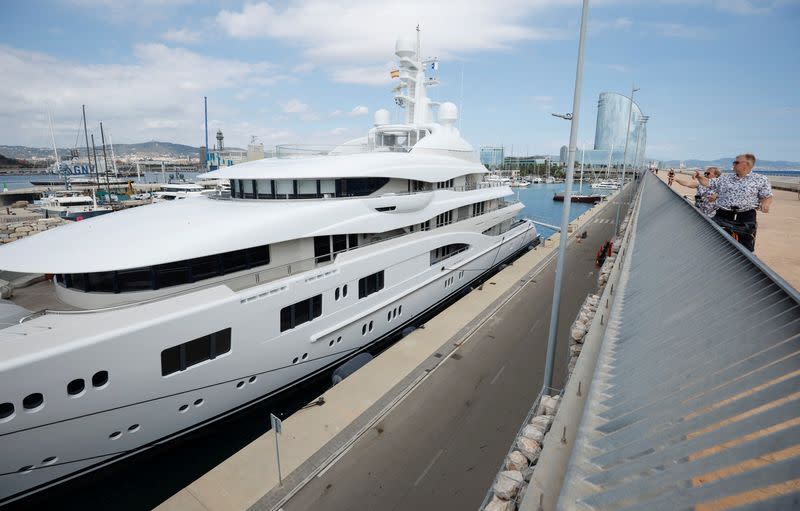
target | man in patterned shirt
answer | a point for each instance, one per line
(739, 195)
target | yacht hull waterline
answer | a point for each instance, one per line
(172, 325)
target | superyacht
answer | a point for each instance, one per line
(174, 315)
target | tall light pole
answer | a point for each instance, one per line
(624, 159)
(562, 248)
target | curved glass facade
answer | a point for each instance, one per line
(611, 130)
(611, 133)
(492, 156)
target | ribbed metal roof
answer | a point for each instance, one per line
(695, 399)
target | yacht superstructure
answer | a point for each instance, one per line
(183, 312)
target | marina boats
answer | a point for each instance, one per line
(70, 205)
(606, 184)
(168, 317)
(170, 192)
(579, 197)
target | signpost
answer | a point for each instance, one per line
(276, 427)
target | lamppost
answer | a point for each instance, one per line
(624, 158)
(562, 248)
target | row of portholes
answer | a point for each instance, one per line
(27, 469)
(335, 341)
(239, 385)
(449, 281)
(300, 358)
(394, 313)
(184, 407)
(133, 428)
(366, 327)
(337, 294)
(35, 401)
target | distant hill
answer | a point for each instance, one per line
(725, 164)
(10, 162)
(146, 149)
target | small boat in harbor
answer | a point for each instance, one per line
(70, 205)
(588, 198)
(606, 185)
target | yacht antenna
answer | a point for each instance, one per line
(419, 57)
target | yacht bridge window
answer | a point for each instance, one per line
(168, 274)
(305, 188)
(442, 253)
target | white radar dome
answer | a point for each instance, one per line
(448, 113)
(405, 47)
(382, 117)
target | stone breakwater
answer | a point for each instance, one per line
(12, 231)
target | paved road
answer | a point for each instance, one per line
(441, 447)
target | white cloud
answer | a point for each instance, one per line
(183, 36)
(359, 31)
(745, 7)
(295, 106)
(336, 113)
(359, 111)
(337, 131)
(159, 95)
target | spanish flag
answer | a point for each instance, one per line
(395, 73)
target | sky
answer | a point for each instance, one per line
(716, 77)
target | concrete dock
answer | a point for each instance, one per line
(432, 400)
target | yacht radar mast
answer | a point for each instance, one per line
(410, 93)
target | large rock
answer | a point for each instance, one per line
(507, 484)
(498, 504)
(542, 421)
(530, 448)
(516, 461)
(6, 289)
(533, 432)
(548, 405)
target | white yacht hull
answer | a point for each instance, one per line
(139, 407)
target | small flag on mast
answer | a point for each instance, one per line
(394, 73)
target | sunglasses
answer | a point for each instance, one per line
(737, 162)
(706, 174)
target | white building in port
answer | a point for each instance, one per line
(181, 313)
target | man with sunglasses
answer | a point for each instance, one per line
(705, 200)
(739, 195)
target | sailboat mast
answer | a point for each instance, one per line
(105, 163)
(94, 152)
(113, 157)
(53, 139)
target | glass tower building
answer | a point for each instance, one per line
(492, 156)
(611, 132)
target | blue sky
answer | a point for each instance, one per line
(717, 77)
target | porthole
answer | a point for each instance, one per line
(27, 469)
(240, 385)
(400, 310)
(6, 411)
(115, 435)
(344, 291)
(76, 387)
(330, 343)
(338, 339)
(33, 401)
(183, 408)
(370, 326)
(49, 460)
(394, 313)
(198, 402)
(364, 330)
(305, 356)
(294, 360)
(253, 379)
(100, 379)
(336, 294)
(389, 316)
(134, 428)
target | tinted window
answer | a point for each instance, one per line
(322, 248)
(370, 284)
(183, 356)
(301, 312)
(136, 279)
(339, 242)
